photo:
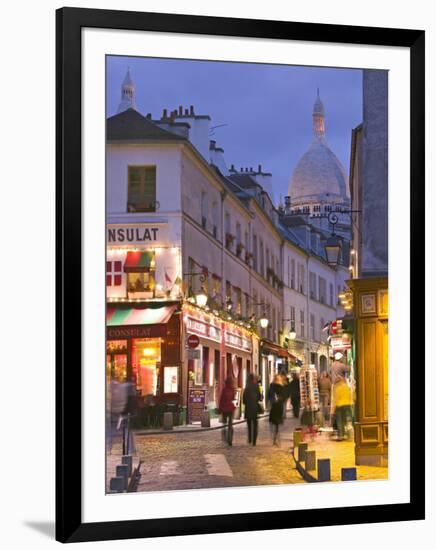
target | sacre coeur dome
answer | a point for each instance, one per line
(319, 175)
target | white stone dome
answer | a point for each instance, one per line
(319, 173)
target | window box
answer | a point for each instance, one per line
(239, 248)
(229, 240)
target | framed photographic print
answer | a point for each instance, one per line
(239, 222)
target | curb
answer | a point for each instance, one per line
(191, 430)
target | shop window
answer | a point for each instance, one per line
(114, 275)
(171, 380)
(146, 364)
(141, 282)
(141, 189)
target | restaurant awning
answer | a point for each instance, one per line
(138, 261)
(268, 347)
(116, 317)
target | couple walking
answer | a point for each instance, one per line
(253, 407)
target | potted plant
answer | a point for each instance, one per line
(229, 239)
(239, 248)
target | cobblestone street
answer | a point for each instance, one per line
(201, 460)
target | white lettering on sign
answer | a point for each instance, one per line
(203, 329)
(238, 341)
(137, 234)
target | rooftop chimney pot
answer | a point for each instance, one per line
(191, 110)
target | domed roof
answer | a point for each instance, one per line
(318, 173)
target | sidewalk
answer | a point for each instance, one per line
(341, 455)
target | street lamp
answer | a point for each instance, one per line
(292, 334)
(201, 297)
(333, 248)
(263, 321)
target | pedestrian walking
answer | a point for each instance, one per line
(343, 402)
(325, 387)
(227, 408)
(276, 400)
(252, 400)
(286, 393)
(294, 392)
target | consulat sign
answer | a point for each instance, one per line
(144, 233)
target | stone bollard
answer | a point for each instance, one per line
(348, 474)
(122, 471)
(168, 421)
(324, 469)
(297, 437)
(116, 484)
(205, 419)
(128, 461)
(310, 460)
(302, 448)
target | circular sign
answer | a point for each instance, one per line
(193, 341)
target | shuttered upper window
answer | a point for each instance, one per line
(141, 189)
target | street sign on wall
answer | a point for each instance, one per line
(193, 341)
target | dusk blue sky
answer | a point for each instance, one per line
(267, 108)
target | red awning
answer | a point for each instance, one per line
(138, 262)
(274, 349)
(116, 316)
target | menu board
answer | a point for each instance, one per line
(196, 404)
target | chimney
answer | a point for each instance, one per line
(180, 110)
(232, 168)
(191, 110)
(251, 168)
(259, 169)
(164, 114)
(287, 204)
(186, 112)
(212, 144)
(148, 116)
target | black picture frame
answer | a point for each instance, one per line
(69, 23)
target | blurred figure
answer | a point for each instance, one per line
(325, 387)
(252, 400)
(339, 369)
(294, 393)
(286, 392)
(343, 402)
(276, 400)
(227, 408)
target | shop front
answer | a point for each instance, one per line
(225, 349)
(144, 349)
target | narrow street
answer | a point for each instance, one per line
(203, 460)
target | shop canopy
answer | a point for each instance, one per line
(273, 349)
(116, 317)
(138, 261)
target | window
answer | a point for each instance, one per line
(312, 326)
(227, 223)
(141, 282)
(317, 208)
(215, 219)
(301, 277)
(312, 285)
(114, 275)
(203, 207)
(302, 323)
(228, 290)
(216, 288)
(246, 309)
(331, 294)
(141, 189)
(322, 290)
(262, 260)
(238, 294)
(292, 273)
(321, 329)
(171, 380)
(255, 252)
(292, 317)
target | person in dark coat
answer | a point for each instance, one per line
(276, 397)
(227, 407)
(294, 392)
(251, 399)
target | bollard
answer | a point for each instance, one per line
(122, 471)
(302, 448)
(297, 437)
(348, 474)
(168, 421)
(128, 461)
(116, 484)
(323, 469)
(205, 419)
(310, 460)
